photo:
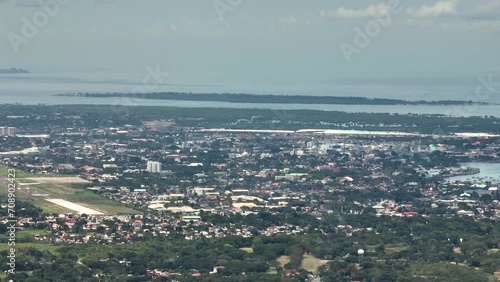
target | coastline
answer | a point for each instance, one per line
(272, 99)
(469, 171)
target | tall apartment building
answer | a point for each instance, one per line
(8, 131)
(154, 167)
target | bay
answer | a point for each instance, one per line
(40, 88)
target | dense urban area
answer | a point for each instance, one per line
(106, 193)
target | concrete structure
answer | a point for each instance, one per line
(27, 152)
(8, 131)
(154, 167)
(200, 191)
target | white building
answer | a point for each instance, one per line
(27, 152)
(8, 131)
(154, 167)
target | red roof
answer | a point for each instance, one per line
(87, 167)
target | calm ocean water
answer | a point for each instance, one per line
(38, 88)
(489, 172)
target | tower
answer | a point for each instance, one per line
(153, 167)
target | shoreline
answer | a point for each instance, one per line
(274, 99)
(350, 132)
(483, 168)
(474, 170)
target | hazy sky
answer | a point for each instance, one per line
(254, 40)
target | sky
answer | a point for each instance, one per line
(252, 41)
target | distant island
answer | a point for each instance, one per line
(13, 71)
(278, 99)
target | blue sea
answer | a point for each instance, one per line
(40, 88)
(488, 172)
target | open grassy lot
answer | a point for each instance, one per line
(30, 233)
(67, 188)
(388, 249)
(3, 189)
(23, 174)
(23, 194)
(42, 246)
(248, 250)
(57, 180)
(272, 271)
(283, 260)
(26, 181)
(311, 263)
(493, 251)
(443, 272)
(395, 248)
(74, 193)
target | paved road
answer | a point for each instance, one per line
(60, 202)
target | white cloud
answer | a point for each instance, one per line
(488, 7)
(483, 17)
(173, 27)
(447, 7)
(476, 25)
(288, 20)
(346, 13)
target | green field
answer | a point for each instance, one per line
(30, 233)
(42, 246)
(283, 260)
(248, 250)
(395, 248)
(493, 251)
(272, 271)
(73, 192)
(23, 174)
(25, 181)
(311, 263)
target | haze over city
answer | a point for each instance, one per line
(249, 140)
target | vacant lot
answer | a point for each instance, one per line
(57, 180)
(74, 193)
(492, 251)
(248, 250)
(30, 233)
(283, 260)
(37, 189)
(23, 174)
(395, 248)
(311, 263)
(41, 246)
(158, 123)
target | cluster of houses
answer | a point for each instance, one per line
(178, 174)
